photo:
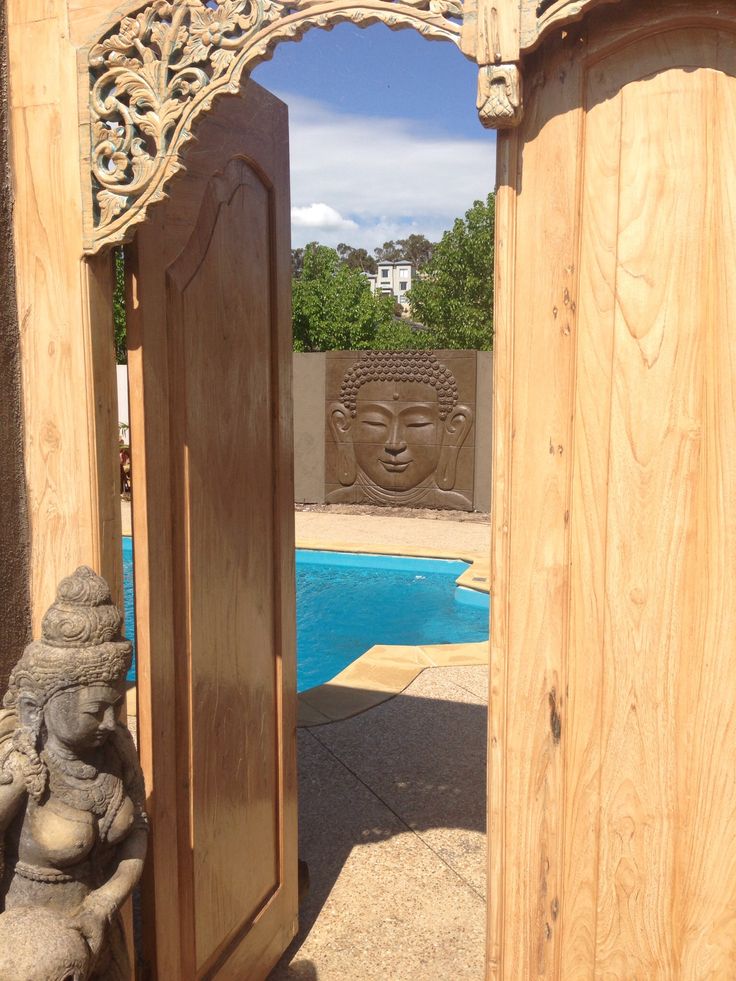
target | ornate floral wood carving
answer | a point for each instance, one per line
(156, 71)
(500, 103)
(540, 16)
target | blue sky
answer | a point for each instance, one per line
(384, 135)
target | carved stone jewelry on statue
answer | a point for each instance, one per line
(79, 785)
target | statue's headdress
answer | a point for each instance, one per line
(400, 366)
(81, 643)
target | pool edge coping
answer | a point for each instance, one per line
(384, 671)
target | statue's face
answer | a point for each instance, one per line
(83, 718)
(397, 433)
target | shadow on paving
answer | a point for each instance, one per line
(414, 765)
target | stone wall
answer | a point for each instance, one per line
(309, 428)
(14, 538)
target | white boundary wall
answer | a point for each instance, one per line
(123, 411)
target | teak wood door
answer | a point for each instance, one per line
(613, 697)
(210, 380)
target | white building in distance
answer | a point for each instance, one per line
(394, 278)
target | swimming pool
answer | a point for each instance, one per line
(349, 602)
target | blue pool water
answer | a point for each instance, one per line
(347, 602)
(129, 596)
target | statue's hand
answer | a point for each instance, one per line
(92, 919)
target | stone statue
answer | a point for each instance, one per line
(399, 429)
(72, 799)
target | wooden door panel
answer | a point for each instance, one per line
(612, 708)
(224, 463)
(213, 275)
(668, 582)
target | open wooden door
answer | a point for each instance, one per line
(210, 385)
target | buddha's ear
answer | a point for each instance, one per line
(29, 712)
(341, 423)
(457, 426)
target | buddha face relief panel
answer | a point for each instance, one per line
(399, 432)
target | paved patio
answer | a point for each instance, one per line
(396, 528)
(392, 805)
(392, 826)
(444, 530)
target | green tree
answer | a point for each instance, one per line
(388, 252)
(402, 335)
(454, 297)
(356, 258)
(297, 260)
(118, 307)
(417, 249)
(333, 306)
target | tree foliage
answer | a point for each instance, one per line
(118, 306)
(388, 252)
(454, 297)
(417, 249)
(402, 335)
(357, 258)
(333, 306)
(297, 259)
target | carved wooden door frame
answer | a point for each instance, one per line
(153, 73)
(155, 68)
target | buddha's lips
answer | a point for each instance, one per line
(393, 467)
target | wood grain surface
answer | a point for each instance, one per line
(65, 316)
(213, 530)
(613, 707)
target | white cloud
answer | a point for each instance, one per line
(320, 216)
(366, 179)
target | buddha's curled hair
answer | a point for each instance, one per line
(423, 367)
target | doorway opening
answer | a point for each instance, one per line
(185, 351)
(392, 798)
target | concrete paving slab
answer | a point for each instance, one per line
(378, 675)
(472, 679)
(424, 754)
(382, 905)
(395, 532)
